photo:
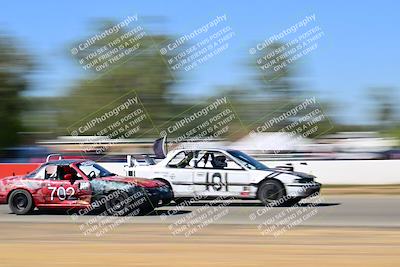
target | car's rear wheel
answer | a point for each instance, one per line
(117, 204)
(21, 202)
(271, 192)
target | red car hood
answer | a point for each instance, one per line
(138, 181)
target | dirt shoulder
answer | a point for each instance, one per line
(361, 189)
(37, 244)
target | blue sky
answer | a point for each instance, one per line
(359, 48)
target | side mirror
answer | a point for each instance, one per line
(68, 177)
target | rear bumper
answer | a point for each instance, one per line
(303, 190)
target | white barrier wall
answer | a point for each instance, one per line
(329, 171)
(348, 171)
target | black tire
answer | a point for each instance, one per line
(271, 192)
(21, 202)
(116, 205)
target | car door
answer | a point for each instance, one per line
(180, 173)
(64, 187)
(229, 179)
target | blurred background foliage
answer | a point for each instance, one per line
(15, 67)
(27, 119)
(143, 71)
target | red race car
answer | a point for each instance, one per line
(84, 186)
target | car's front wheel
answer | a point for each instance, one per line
(116, 203)
(21, 202)
(271, 192)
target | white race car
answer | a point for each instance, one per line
(225, 173)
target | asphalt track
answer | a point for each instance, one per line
(343, 211)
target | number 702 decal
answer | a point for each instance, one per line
(62, 193)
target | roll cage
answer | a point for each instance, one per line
(216, 161)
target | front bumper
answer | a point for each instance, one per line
(159, 196)
(303, 190)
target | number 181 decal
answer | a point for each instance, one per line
(62, 193)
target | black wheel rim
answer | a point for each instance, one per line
(272, 192)
(20, 201)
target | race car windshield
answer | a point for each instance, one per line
(93, 170)
(248, 161)
(33, 173)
